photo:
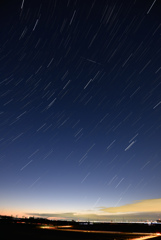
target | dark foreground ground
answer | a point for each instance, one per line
(31, 231)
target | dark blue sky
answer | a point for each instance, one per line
(80, 103)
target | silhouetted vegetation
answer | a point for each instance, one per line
(31, 228)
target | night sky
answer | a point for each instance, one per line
(80, 107)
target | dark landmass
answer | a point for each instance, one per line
(39, 228)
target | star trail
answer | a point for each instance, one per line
(80, 116)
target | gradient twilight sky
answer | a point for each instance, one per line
(80, 89)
